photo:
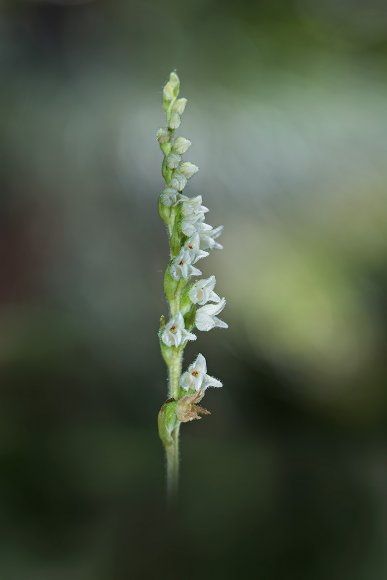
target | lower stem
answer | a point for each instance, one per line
(172, 452)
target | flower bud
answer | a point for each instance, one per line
(171, 89)
(181, 145)
(174, 121)
(179, 106)
(188, 169)
(163, 135)
(178, 181)
(169, 196)
(173, 160)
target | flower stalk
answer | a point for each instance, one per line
(191, 304)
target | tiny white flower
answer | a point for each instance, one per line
(193, 205)
(181, 145)
(192, 245)
(192, 224)
(203, 291)
(162, 135)
(179, 106)
(174, 121)
(196, 377)
(169, 196)
(173, 160)
(208, 235)
(178, 181)
(206, 316)
(182, 266)
(174, 333)
(188, 169)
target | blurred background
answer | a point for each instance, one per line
(287, 114)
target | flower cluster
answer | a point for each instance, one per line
(193, 304)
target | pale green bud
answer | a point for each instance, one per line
(179, 106)
(174, 121)
(171, 89)
(181, 145)
(173, 160)
(188, 169)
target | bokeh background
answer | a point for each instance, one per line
(288, 117)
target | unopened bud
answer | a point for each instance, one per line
(169, 196)
(178, 181)
(188, 169)
(181, 145)
(179, 106)
(171, 89)
(174, 121)
(163, 135)
(173, 160)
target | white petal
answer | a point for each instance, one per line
(190, 336)
(195, 271)
(200, 364)
(203, 322)
(219, 323)
(214, 297)
(211, 382)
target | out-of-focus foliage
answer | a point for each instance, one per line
(287, 114)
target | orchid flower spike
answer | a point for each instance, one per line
(190, 303)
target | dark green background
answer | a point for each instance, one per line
(287, 114)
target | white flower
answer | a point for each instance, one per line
(206, 316)
(179, 106)
(182, 266)
(174, 333)
(181, 145)
(196, 377)
(193, 205)
(203, 291)
(169, 196)
(178, 181)
(192, 224)
(174, 121)
(192, 245)
(173, 160)
(208, 235)
(162, 135)
(188, 169)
